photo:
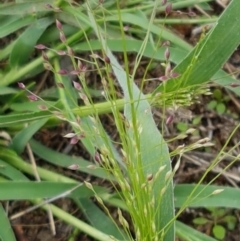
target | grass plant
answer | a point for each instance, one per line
(138, 166)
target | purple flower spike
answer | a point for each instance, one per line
(163, 78)
(21, 85)
(74, 167)
(167, 54)
(62, 72)
(234, 85)
(32, 97)
(164, 2)
(97, 157)
(59, 25)
(169, 120)
(75, 72)
(168, 9)
(74, 141)
(42, 107)
(40, 46)
(61, 52)
(76, 85)
(62, 37)
(107, 60)
(44, 56)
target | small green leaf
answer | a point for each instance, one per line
(219, 232)
(212, 105)
(200, 221)
(231, 221)
(220, 108)
(219, 212)
(217, 94)
(188, 233)
(181, 126)
(197, 120)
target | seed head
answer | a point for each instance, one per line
(40, 46)
(59, 25)
(32, 97)
(62, 72)
(167, 54)
(77, 86)
(168, 9)
(74, 141)
(74, 167)
(21, 85)
(62, 37)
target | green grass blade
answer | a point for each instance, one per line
(158, 31)
(10, 172)
(12, 120)
(24, 45)
(187, 233)
(16, 24)
(21, 139)
(6, 232)
(30, 7)
(5, 90)
(98, 219)
(204, 197)
(60, 159)
(26, 190)
(212, 52)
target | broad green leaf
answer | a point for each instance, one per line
(200, 221)
(99, 220)
(14, 25)
(210, 53)
(24, 190)
(30, 7)
(187, 233)
(219, 232)
(6, 232)
(203, 197)
(60, 159)
(153, 152)
(24, 45)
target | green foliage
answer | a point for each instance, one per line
(218, 220)
(141, 164)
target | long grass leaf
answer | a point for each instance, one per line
(24, 45)
(6, 232)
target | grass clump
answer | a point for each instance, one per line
(137, 164)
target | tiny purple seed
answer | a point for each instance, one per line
(168, 9)
(40, 46)
(59, 25)
(21, 85)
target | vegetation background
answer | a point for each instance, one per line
(119, 120)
